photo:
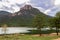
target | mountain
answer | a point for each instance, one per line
(4, 16)
(23, 17)
(4, 13)
(26, 14)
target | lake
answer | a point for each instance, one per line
(11, 30)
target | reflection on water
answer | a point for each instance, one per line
(11, 30)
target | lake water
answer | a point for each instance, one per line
(11, 30)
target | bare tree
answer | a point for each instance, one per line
(4, 29)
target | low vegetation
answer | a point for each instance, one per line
(27, 37)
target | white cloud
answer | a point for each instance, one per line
(40, 8)
(9, 3)
(14, 1)
(17, 1)
(47, 11)
(16, 8)
(57, 2)
(1, 4)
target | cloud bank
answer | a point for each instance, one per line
(49, 7)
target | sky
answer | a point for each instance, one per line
(49, 7)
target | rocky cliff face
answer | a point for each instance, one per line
(26, 7)
(27, 10)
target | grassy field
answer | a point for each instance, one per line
(27, 37)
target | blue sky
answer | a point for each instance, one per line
(49, 7)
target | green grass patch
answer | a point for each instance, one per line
(27, 37)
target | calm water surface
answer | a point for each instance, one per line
(11, 30)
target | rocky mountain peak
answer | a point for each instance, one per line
(26, 7)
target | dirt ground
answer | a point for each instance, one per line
(57, 39)
(52, 34)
